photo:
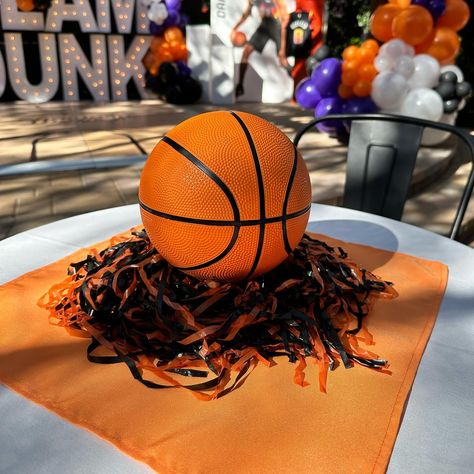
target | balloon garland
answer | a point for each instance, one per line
(167, 73)
(406, 69)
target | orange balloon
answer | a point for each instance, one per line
(25, 5)
(451, 60)
(366, 56)
(413, 25)
(156, 43)
(173, 33)
(367, 72)
(362, 88)
(175, 47)
(381, 21)
(400, 3)
(345, 92)
(423, 47)
(456, 15)
(165, 46)
(350, 77)
(351, 52)
(164, 56)
(182, 54)
(154, 69)
(445, 45)
(149, 60)
(352, 65)
(371, 45)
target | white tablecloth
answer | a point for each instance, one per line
(437, 433)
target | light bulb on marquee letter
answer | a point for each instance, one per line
(74, 61)
(142, 24)
(48, 86)
(13, 19)
(102, 12)
(124, 67)
(123, 14)
(79, 10)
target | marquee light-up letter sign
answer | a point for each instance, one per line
(105, 71)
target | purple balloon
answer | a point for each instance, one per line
(421, 3)
(327, 76)
(326, 106)
(183, 21)
(173, 4)
(156, 29)
(359, 105)
(437, 8)
(183, 69)
(307, 95)
(173, 18)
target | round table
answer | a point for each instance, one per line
(438, 426)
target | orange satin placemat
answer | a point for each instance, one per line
(269, 425)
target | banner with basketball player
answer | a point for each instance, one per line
(248, 51)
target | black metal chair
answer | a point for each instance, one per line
(381, 157)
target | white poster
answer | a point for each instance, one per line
(245, 63)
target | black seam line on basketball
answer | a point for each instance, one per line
(218, 223)
(215, 259)
(287, 198)
(207, 171)
(261, 192)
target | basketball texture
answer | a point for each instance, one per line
(225, 196)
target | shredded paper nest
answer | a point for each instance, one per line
(173, 330)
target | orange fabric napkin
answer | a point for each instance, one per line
(269, 425)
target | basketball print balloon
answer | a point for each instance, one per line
(225, 196)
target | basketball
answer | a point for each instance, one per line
(225, 196)
(238, 38)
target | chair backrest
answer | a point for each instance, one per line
(381, 157)
(380, 162)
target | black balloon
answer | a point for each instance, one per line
(447, 90)
(451, 106)
(463, 90)
(150, 81)
(311, 64)
(449, 76)
(168, 72)
(322, 53)
(186, 90)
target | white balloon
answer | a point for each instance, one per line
(426, 74)
(405, 66)
(393, 49)
(389, 89)
(409, 50)
(455, 69)
(423, 103)
(383, 63)
(433, 137)
(157, 12)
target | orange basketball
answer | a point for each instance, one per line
(225, 196)
(238, 38)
